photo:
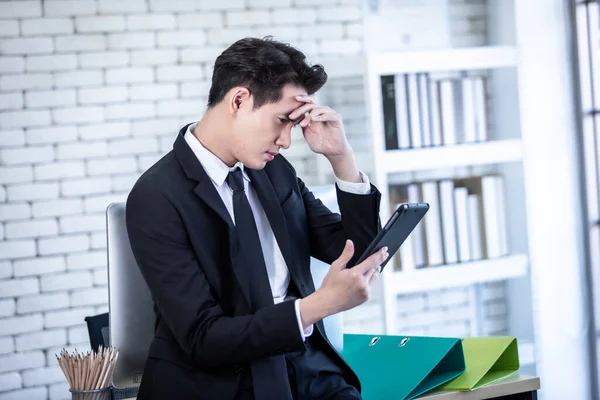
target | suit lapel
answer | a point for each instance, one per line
(207, 193)
(194, 170)
(268, 198)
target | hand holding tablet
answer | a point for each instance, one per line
(402, 222)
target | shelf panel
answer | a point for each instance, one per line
(443, 60)
(464, 274)
(492, 152)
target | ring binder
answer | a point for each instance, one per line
(487, 359)
(402, 367)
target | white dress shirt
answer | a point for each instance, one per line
(277, 270)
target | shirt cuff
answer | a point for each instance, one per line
(304, 333)
(363, 187)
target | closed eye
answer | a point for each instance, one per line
(285, 121)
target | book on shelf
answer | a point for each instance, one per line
(388, 95)
(433, 224)
(474, 226)
(425, 110)
(447, 207)
(466, 221)
(462, 226)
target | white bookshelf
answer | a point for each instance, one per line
(503, 149)
(484, 153)
(461, 274)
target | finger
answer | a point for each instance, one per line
(326, 116)
(346, 255)
(304, 98)
(303, 109)
(306, 121)
(375, 274)
(373, 260)
(320, 110)
(314, 113)
(371, 273)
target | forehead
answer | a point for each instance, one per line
(288, 102)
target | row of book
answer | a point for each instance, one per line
(420, 110)
(466, 221)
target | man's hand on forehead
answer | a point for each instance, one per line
(297, 115)
(310, 111)
(322, 127)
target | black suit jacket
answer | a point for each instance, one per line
(183, 240)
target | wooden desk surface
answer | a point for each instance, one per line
(510, 385)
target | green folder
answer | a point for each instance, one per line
(402, 367)
(487, 360)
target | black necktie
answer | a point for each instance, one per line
(269, 375)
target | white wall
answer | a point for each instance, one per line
(92, 92)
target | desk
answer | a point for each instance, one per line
(514, 387)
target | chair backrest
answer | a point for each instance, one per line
(131, 315)
(98, 330)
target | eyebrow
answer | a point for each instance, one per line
(287, 116)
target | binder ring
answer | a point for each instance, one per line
(403, 342)
(374, 340)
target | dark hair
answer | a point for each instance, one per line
(264, 66)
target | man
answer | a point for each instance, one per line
(223, 230)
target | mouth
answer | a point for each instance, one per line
(271, 154)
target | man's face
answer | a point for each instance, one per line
(259, 134)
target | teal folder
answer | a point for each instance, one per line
(402, 367)
(487, 359)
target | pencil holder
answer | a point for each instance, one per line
(94, 394)
(89, 375)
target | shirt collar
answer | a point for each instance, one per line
(216, 169)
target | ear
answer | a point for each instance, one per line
(240, 98)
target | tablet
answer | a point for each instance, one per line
(402, 222)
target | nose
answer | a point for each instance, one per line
(285, 138)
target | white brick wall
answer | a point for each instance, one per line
(46, 26)
(7, 345)
(43, 376)
(44, 302)
(12, 64)
(91, 94)
(52, 63)
(7, 307)
(6, 269)
(39, 45)
(58, 134)
(18, 287)
(41, 340)
(78, 78)
(22, 360)
(10, 381)
(21, 324)
(29, 81)
(13, 137)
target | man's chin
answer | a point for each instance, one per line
(257, 165)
